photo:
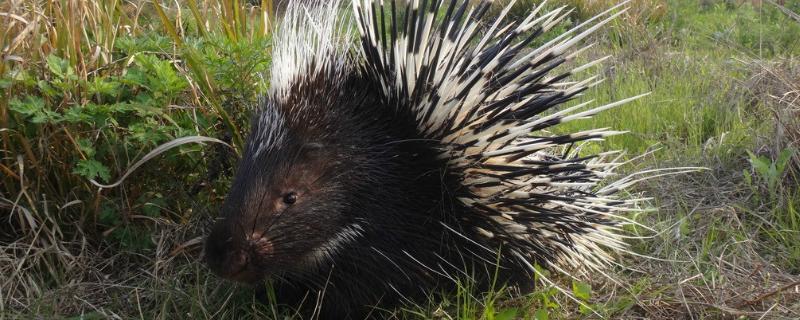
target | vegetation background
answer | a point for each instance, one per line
(88, 87)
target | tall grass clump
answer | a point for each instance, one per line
(774, 172)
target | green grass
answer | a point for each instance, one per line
(87, 95)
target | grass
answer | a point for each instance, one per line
(89, 87)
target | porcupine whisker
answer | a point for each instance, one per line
(258, 213)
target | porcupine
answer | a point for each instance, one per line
(384, 169)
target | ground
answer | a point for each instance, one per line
(90, 87)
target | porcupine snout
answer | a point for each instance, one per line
(233, 254)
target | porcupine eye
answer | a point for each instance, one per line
(290, 198)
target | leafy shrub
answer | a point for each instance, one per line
(86, 92)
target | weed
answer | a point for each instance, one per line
(769, 172)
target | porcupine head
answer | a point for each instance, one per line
(405, 147)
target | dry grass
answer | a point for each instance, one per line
(639, 12)
(777, 82)
(711, 261)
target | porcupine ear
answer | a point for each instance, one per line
(487, 96)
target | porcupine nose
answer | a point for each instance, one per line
(236, 263)
(232, 258)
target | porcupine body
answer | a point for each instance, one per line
(379, 172)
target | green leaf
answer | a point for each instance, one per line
(152, 208)
(149, 132)
(585, 310)
(507, 314)
(581, 290)
(541, 314)
(540, 272)
(35, 109)
(47, 89)
(58, 66)
(783, 160)
(761, 164)
(144, 105)
(77, 115)
(132, 237)
(108, 215)
(29, 107)
(87, 147)
(91, 169)
(747, 177)
(103, 86)
(160, 77)
(135, 77)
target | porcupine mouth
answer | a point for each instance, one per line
(244, 265)
(246, 274)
